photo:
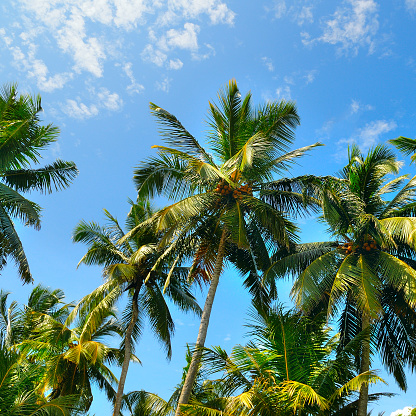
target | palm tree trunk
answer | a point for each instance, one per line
(127, 348)
(365, 366)
(203, 327)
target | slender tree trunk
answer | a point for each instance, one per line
(365, 366)
(203, 327)
(127, 349)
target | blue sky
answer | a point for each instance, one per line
(350, 66)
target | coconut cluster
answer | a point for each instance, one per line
(225, 189)
(367, 246)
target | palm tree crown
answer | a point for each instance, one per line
(370, 269)
(139, 267)
(22, 137)
(230, 190)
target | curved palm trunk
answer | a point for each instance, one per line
(203, 328)
(127, 351)
(365, 366)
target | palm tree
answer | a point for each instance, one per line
(65, 360)
(138, 267)
(292, 366)
(226, 193)
(368, 272)
(22, 137)
(19, 393)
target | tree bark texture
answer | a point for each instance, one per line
(203, 327)
(127, 349)
(365, 366)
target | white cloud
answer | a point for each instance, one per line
(370, 134)
(36, 68)
(279, 8)
(130, 12)
(84, 30)
(182, 39)
(289, 79)
(210, 51)
(305, 15)
(404, 412)
(299, 11)
(357, 106)
(88, 53)
(6, 39)
(268, 63)
(79, 110)
(411, 5)
(111, 101)
(134, 86)
(310, 76)
(217, 11)
(103, 99)
(153, 55)
(163, 85)
(175, 64)
(352, 26)
(283, 93)
(227, 338)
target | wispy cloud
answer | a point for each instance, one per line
(134, 87)
(79, 110)
(91, 32)
(268, 63)
(411, 5)
(354, 25)
(108, 100)
(102, 99)
(164, 84)
(369, 135)
(299, 11)
(356, 106)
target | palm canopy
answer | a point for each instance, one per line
(138, 266)
(370, 267)
(22, 138)
(55, 364)
(19, 392)
(248, 147)
(291, 366)
(229, 190)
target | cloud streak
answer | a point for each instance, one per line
(354, 25)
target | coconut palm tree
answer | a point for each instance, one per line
(136, 266)
(67, 360)
(22, 137)
(291, 366)
(226, 189)
(368, 271)
(19, 392)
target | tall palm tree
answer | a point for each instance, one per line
(368, 273)
(225, 191)
(291, 366)
(136, 266)
(22, 137)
